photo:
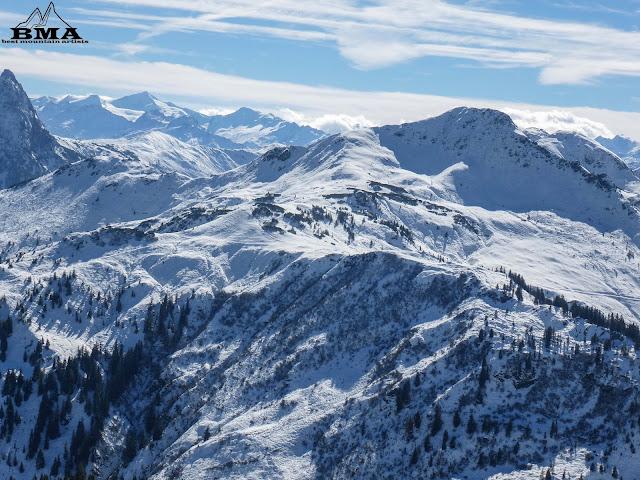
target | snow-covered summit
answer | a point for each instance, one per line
(142, 101)
(84, 117)
(252, 128)
(487, 161)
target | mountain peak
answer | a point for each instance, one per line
(142, 101)
(27, 149)
(458, 122)
(254, 128)
(7, 75)
(625, 148)
(90, 100)
(11, 92)
(243, 114)
(618, 142)
(484, 115)
(246, 110)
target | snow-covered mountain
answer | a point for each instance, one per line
(84, 117)
(164, 153)
(486, 160)
(27, 150)
(92, 117)
(451, 298)
(254, 129)
(164, 136)
(624, 147)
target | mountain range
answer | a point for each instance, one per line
(450, 298)
(624, 147)
(93, 117)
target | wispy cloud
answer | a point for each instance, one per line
(594, 7)
(384, 33)
(132, 48)
(330, 108)
(10, 18)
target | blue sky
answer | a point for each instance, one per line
(342, 62)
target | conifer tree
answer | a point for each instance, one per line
(55, 467)
(40, 460)
(472, 426)
(415, 456)
(437, 422)
(456, 419)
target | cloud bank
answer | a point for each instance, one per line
(557, 120)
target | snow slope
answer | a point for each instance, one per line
(165, 153)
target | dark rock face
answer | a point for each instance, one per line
(27, 149)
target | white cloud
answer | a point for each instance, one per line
(10, 18)
(319, 106)
(554, 121)
(210, 24)
(216, 111)
(328, 122)
(334, 123)
(386, 32)
(132, 48)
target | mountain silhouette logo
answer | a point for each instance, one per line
(36, 19)
(47, 28)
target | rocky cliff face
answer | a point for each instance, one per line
(27, 149)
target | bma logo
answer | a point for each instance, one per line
(49, 28)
